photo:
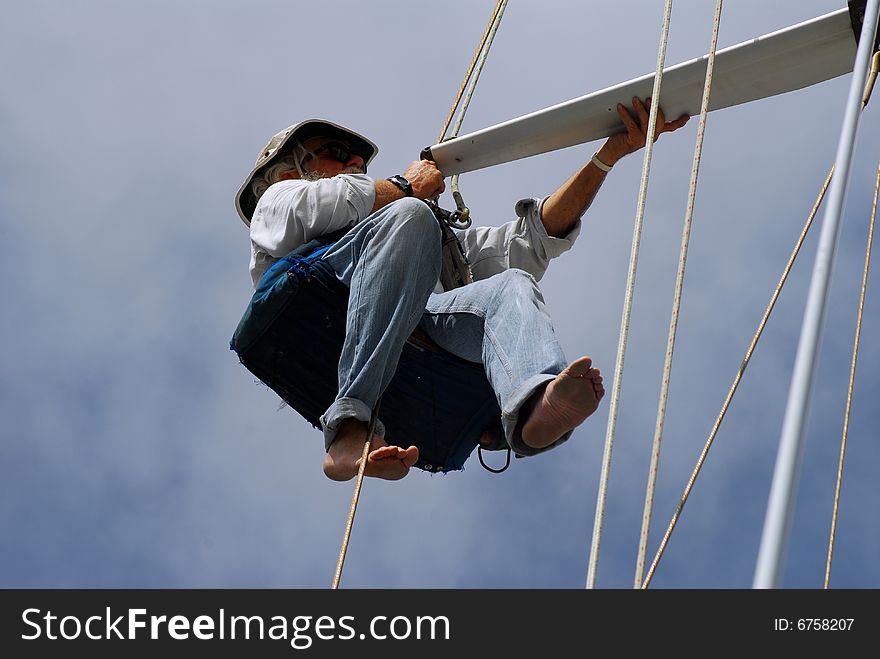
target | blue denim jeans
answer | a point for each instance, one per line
(390, 263)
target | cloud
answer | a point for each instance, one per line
(136, 451)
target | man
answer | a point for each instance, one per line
(310, 180)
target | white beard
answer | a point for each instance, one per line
(314, 176)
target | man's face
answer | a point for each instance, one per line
(329, 156)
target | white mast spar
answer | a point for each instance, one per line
(793, 58)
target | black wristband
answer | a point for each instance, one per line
(402, 183)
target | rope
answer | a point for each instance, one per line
(660, 551)
(627, 305)
(872, 78)
(676, 306)
(852, 377)
(357, 493)
(476, 68)
(737, 379)
(488, 34)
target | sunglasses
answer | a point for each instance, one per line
(334, 150)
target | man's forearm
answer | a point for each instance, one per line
(424, 177)
(386, 192)
(563, 208)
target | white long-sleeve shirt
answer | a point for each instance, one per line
(293, 212)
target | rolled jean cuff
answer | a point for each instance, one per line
(512, 424)
(342, 409)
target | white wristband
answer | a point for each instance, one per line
(601, 165)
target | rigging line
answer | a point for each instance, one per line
(627, 305)
(737, 379)
(475, 73)
(872, 78)
(357, 493)
(869, 87)
(852, 377)
(488, 38)
(676, 305)
(499, 8)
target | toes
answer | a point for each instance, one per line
(386, 462)
(579, 367)
(596, 379)
(411, 456)
(384, 452)
(408, 456)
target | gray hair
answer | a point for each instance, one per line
(273, 174)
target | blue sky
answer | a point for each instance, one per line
(137, 452)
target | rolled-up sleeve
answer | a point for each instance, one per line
(522, 243)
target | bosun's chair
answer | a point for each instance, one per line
(291, 335)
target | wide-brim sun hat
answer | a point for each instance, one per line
(281, 145)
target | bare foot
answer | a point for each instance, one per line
(563, 404)
(343, 460)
